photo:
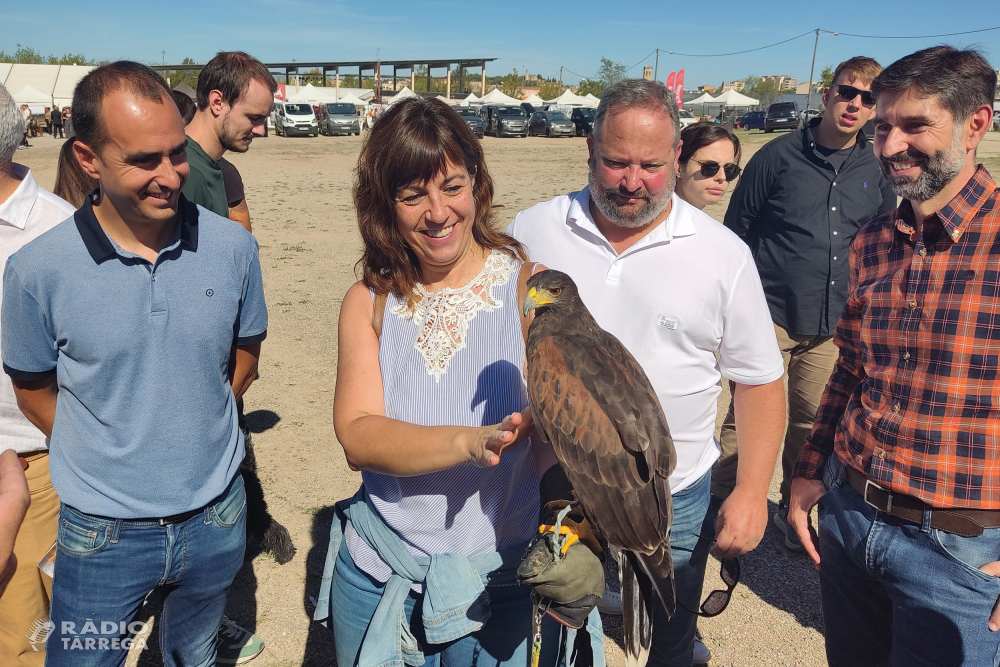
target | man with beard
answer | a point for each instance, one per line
(800, 202)
(905, 451)
(675, 287)
(235, 95)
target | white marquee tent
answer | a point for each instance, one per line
(350, 98)
(593, 98)
(734, 98)
(497, 97)
(28, 95)
(49, 84)
(704, 99)
(69, 76)
(403, 93)
(570, 99)
(534, 100)
(446, 100)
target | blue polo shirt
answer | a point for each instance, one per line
(145, 420)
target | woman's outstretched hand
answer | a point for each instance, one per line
(492, 441)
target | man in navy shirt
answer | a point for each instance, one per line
(129, 331)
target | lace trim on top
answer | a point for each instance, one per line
(442, 317)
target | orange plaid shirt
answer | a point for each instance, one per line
(914, 401)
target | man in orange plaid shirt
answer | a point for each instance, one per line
(904, 456)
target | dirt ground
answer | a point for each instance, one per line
(298, 191)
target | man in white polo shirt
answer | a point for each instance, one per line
(26, 211)
(675, 287)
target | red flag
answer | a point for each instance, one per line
(279, 94)
(679, 87)
(670, 80)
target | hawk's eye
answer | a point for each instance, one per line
(555, 291)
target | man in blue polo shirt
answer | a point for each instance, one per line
(129, 331)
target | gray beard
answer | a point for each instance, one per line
(649, 211)
(940, 169)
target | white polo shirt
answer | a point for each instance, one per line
(685, 291)
(28, 212)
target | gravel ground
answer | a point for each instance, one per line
(299, 196)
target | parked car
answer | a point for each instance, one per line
(473, 120)
(583, 119)
(752, 120)
(781, 116)
(809, 114)
(508, 121)
(528, 108)
(687, 118)
(551, 124)
(339, 118)
(291, 118)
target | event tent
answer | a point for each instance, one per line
(733, 98)
(313, 95)
(351, 98)
(570, 99)
(403, 93)
(69, 76)
(41, 78)
(182, 87)
(4, 71)
(446, 100)
(534, 100)
(497, 97)
(593, 98)
(28, 95)
(704, 99)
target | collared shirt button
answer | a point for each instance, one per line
(881, 454)
(923, 252)
(897, 407)
(835, 233)
(955, 234)
(913, 303)
(153, 277)
(833, 282)
(835, 258)
(906, 355)
(833, 208)
(835, 183)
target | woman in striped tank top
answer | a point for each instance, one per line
(430, 406)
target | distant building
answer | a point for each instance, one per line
(803, 88)
(784, 82)
(733, 85)
(647, 73)
(707, 89)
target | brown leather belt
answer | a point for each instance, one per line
(33, 456)
(958, 521)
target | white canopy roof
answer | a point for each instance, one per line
(569, 98)
(41, 78)
(704, 99)
(28, 95)
(497, 97)
(446, 100)
(4, 71)
(471, 99)
(312, 94)
(351, 98)
(734, 98)
(534, 100)
(403, 93)
(594, 100)
(69, 76)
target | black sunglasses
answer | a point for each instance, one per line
(850, 92)
(718, 600)
(710, 168)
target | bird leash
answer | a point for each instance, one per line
(539, 605)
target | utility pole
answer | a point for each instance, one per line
(164, 57)
(560, 80)
(656, 70)
(811, 70)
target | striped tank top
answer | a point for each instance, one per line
(455, 358)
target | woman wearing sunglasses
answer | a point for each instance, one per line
(709, 163)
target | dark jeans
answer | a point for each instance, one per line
(105, 568)
(898, 594)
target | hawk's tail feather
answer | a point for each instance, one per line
(637, 609)
(659, 567)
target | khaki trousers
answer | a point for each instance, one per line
(809, 362)
(24, 606)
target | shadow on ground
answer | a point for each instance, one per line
(319, 649)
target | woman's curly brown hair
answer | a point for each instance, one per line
(410, 143)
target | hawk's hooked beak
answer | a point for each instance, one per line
(534, 300)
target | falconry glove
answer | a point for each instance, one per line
(563, 563)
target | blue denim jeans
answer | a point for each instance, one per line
(105, 568)
(691, 536)
(895, 593)
(504, 641)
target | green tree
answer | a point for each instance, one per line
(178, 76)
(610, 72)
(764, 90)
(26, 54)
(511, 85)
(590, 86)
(550, 90)
(826, 77)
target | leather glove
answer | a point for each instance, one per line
(564, 569)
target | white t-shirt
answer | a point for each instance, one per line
(685, 291)
(29, 212)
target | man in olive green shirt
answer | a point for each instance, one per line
(235, 96)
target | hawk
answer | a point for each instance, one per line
(593, 403)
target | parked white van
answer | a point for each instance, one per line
(291, 118)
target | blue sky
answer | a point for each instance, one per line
(539, 35)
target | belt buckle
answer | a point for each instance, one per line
(888, 508)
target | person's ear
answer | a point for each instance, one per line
(826, 96)
(677, 156)
(88, 159)
(977, 126)
(217, 103)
